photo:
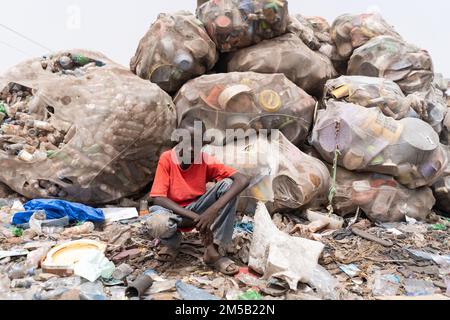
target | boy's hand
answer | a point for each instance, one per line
(205, 221)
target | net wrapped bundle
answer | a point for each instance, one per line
(81, 128)
(350, 31)
(433, 107)
(391, 58)
(315, 32)
(247, 100)
(442, 190)
(370, 92)
(368, 141)
(381, 197)
(174, 50)
(282, 176)
(234, 24)
(288, 55)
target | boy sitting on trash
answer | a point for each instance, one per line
(182, 200)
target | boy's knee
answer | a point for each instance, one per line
(162, 223)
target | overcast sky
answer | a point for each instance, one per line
(115, 27)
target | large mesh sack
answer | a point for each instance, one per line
(367, 140)
(247, 100)
(442, 190)
(433, 107)
(315, 33)
(370, 92)
(352, 31)
(445, 135)
(381, 197)
(288, 55)
(391, 58)
(282, 176)
(234, 24)
(174, 50)
(81, 128)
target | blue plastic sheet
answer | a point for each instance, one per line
(57, 209)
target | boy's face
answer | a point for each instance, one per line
(190, 147)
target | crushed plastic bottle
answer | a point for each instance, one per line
(415, 287)
(50, 295)
(92, 291)
(56, 283)
(324, 283)
(20, 271)
(385, 284)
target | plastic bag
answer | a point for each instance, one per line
(234, 24)
(57, 209)
(391, 58)
(286, 54)
(174, 50)
(370, 92)
(243, 100)
(278, 255)
(371, 142)
(282, 176)
(81, 128)
(352, 31)
(381, 197)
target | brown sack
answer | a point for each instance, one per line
(81, 128)
(174, 50)
(288, 55)
(248, 100)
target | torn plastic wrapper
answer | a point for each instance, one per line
(81, 128)
(408, 149)
(352, 31)
(391, 58)
(234, 24)
(278, 255)
(282, 176)
(247, 100)
(290, 56)
(174, 50)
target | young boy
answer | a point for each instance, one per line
(182, 201)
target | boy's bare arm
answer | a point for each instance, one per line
(206, 220)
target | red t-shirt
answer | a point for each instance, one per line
(186, 186)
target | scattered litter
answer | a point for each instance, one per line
(13, 253)
(191, 293)
(250, 295)
(414, 287)
(119, 214)
(385, 284)
(351, 270)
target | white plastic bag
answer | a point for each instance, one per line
(278, 255)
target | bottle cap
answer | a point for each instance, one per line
(223, 24)
(270, 100)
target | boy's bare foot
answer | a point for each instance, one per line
(224, 265)
(167, 254)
